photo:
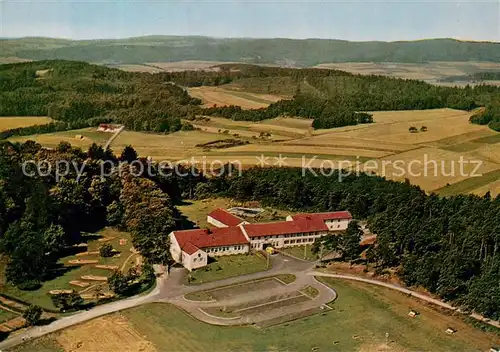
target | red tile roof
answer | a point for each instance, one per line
(301, 225)
(192, 240)
(325, 216)
(225, 217)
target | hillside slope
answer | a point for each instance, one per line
(295, 52)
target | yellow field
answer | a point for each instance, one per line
(279, 128)
(9, 122)
(173, 146)
(289, 149)
(433, 168)
(392, 126)
(186, 65)
(109, 333)
(12, 60)
(449, 138)
(139, 68)
(216, 96)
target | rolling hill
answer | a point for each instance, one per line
(290, 52)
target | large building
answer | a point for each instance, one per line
(233, 235)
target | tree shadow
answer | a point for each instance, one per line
(58, 270)
(46, 321)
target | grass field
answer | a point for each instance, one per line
(72, 272)
(216, 96)
(10, 122)
(361, 317)
(480, 185)
(197, 210)
(228, 266)
(449, 138)
(5, 315)
(298, 252)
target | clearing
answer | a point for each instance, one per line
(216, 96)
(10, 122)
(361, 315)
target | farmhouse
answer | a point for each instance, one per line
(107, 127)
(233, 235)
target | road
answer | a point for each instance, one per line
(170, 288)
(404, 290)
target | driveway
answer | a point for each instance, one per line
(170, 288)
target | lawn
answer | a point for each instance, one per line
(298, 252)
(41, 296)
(5, 315)
(229, 266)
(361, 317)
(310, 291)
(197, 210)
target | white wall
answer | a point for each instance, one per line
(227, 250)
(337, 225)
(193, 261)
(285, 240)
(175, 249)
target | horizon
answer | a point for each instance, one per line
(253, 38)
(358, 21)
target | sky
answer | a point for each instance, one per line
(349, 20)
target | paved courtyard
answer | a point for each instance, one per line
(260, 298)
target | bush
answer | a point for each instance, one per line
(106, 250)
(413, 129)
(65, 301)
(32, 315)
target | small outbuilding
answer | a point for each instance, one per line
(451, 331)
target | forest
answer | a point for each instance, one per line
(298, 52)
(78, 95)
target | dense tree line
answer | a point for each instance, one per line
(81, 95)
(299, 52)
(488, 116)
(451, 246)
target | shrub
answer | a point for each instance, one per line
(413, 129)
(106, 250)
(32, 315)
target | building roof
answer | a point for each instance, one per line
(334, 215)
(192, 240)
(225, 217)
(300, 225)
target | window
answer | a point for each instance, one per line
(287, 242)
